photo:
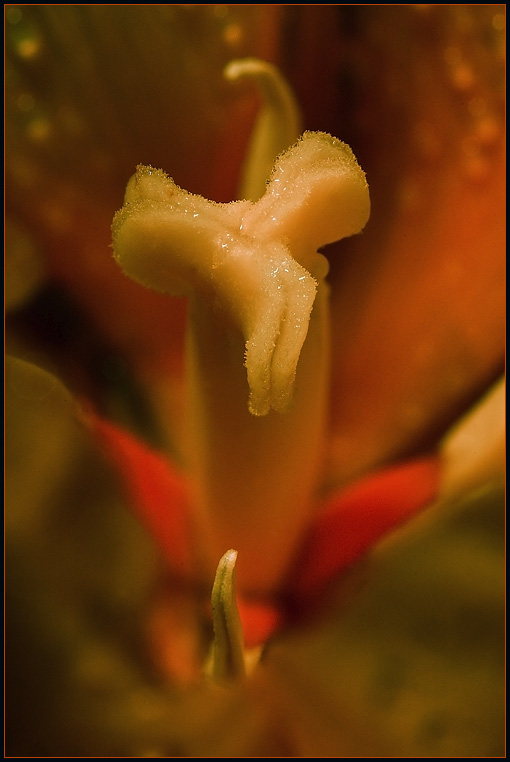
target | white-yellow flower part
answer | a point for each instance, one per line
(259, 261)
(258, 298)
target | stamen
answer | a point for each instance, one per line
(278, 122)
(227, 662)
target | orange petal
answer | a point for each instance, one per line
(354, 519)
(419, 299)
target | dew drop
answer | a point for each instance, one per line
(39, 129)
(476, 167)
(220, 11)
(233, 34)
(28, 48)
(498, 22)
(13, 15)
(462, 77)
(58, 216)
(488, 130)
(25, 102)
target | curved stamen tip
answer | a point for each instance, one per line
(277, 126)
(228, 648)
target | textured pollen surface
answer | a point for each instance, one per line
(258, 261)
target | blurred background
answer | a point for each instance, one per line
(418, 307)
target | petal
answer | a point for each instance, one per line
(157, 492)
(419, 299)
(355, 519)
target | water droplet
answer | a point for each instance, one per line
(57, 215)
(498, 22)
(488, 130)
(28, 47)
(39, 129)
(13, 15)
(25, 102)
(220, 11)
(476, 167)
(233, 34)
(462, 77)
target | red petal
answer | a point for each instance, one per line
(260, 620)
(357, 517)
(156, 490)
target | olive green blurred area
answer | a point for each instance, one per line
(406, 657)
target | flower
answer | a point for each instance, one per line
(254, 271)
(255, 259)
(403, 642)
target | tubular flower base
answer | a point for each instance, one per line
(254, 274)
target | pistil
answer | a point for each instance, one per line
(258, 346)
